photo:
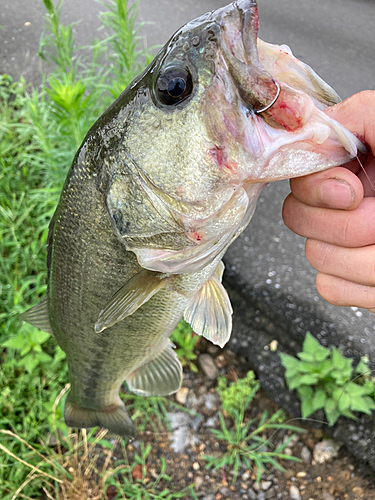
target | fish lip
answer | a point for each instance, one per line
(239, 31)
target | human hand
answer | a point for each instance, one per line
(335, 211)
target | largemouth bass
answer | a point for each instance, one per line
(163, 183)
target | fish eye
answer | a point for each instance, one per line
(174, 85)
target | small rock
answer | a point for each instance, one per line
(301, 474)
(256, 486)
(211, 422)
(245, 476)
(306, 455)
(196, 466)
(180, 439)
(244, 486)
(178, 419)
(273, 345)
(220, 361)
(209, 497)
(325, 450)
(198, 482)
(196, 423)
(327, 496)
(251, 494)
(294, 493)
(225, 491)
(357, 491)
(181, 395)
(289, 473)
(211, 401)
(261, 495)
(208, 366)
(271, 493)
(266, 485)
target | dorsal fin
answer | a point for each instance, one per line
(38, 316)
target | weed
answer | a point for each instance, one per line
(246, 442)
(323, 378)
(186, 340)
(151, 410)
(232, 396)
(40, 131)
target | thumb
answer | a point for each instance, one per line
(357, 114)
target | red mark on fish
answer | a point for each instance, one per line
(220, 157)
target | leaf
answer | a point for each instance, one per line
(355, 389)
(358, 403)
(305, 392)
(17, 342)
(59, 354)
(343, 402)
(362, 367)
(325, 368)
(319, 399)
(38, 336)
(309, 379)
(29, 362)
(311, 345)
(305, 367)
(43, 357)
(306, 407)
(331, 411)
(338, 360)
(306, 356)
(322, 354)
(294, 382)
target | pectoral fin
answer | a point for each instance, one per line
(210, 311)
(159, 377)
(138, 290)
(38, 316)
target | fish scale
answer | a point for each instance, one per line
(163, 183)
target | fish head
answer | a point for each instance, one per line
(218, 114)
(226, 108)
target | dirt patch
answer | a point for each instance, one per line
(183, 449)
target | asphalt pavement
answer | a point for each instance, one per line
(266, 266)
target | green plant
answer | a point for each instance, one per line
(246, 444)
(151, 410)
(40, 131)
(323, 378)
(136, 484)
(232, 396)
(186, 340)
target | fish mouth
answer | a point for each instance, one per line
(239, 27)
(280, 103)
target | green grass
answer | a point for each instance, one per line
(246, 442)
(40, 131)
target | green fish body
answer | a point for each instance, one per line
(164, 181)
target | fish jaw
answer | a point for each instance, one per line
(291, 137)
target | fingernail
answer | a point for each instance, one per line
(336, 193)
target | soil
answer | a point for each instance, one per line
(339, 478)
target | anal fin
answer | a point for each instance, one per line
(115, 418)
(210, 312)
(38, 316)
(130, 297)
(158, 377)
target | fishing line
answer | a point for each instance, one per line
(366, 174)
